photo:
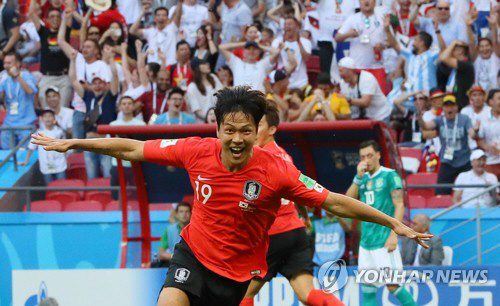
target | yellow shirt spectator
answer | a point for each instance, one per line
(339, 105)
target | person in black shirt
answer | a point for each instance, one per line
(54, 64)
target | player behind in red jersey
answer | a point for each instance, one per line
(289, 252)
(238, 188)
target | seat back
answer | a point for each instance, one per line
(410, 152)
(440, 201)
(417, 201)
(77, 172)
(101, 181)
(83, 206)
(103, 197)
(448, 255)
(46, 206)
(66, 183)
(422, 178)
(62, 197)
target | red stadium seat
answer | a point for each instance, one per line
(161, 206)
(62, 197)
(101, 181)
(440, 201)
(111, 206)
(66, 183)
(422, 178)
(83, 206)
(410, 152)
(77, 172)
(417, 201)
(46, 206)
(76, 159)
(102, 197)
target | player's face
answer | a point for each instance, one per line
(237, 133)
(370, 157)
(183, 214)
(265, 132)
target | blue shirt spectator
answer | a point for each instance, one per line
(174, 115)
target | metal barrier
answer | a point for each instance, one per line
(477, 218)
(15, 148)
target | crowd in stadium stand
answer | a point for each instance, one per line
(428, 68)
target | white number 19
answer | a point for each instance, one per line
(206, 191)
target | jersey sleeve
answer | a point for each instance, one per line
(301, 188)
(395, 181)
(172, 152)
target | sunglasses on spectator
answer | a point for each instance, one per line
(443, 8)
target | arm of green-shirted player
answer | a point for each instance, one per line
(399, 210)
(347, 207)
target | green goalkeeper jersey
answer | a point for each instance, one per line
(375, 190)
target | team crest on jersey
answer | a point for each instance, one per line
(369, 185)
(181, 275)
(251, 190)
(379, 183)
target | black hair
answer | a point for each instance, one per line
(180, 43)
(126, 97)
(272, 114)
(324, 78)
(16, 55)
(208, 111)
(243, 99)
(426, 38)
(268, 31)
(154, 68)
(175, 90)
(226, 67)
(492, 93)
(54, 9)
(370, 143)
(185, 204)
(161, 8)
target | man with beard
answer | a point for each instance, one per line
(155, 101)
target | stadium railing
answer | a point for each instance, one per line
(13, 152)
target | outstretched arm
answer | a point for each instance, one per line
(127, 149)
(346, 207)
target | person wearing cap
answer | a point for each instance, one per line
(276, 89)
(477, 111)
(250, 70)
(174, 114)
(53, 63)
(200, 93)
(489, 134)
(363, 92)
(63, 115)
(17, 90)
(52, 164)
(476, 176)
(436, 96)
(338, 103)
(365, 31)
(293, 43)
(453, 130)
(456, 71)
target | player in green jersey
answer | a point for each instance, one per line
(381, 188)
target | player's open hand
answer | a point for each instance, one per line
(49, 143)
(405, 231)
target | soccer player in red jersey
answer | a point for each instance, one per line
(238, 188)
(289, 252)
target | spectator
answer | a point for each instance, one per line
(88, 31)
(63, 115)
(105, 15)
(295, 100)
(251, 33)
(234, 16)
(181, 74)
(17, 90)
(163, 36)
(155, 101)
(338, 103)
(53, 63)
(52, 164)
(487, 64)
(129, 9)
(9, 30)
(267, 37)
(101, 109)
(116, 34)
(489, 135)
(332, 14)
(277, 87)
(194, 16)
(413, 254)
(329, 233)
(225, 75)
(210, 118)
(200, 93)
(476, 176)
(453, 129)
(363, 92)
(278, 14)
(301, 49)
(29, 44)
(483, 8)
(47, 5)
(323, 110)
(365, 31)
(460, 71)
(205, 47)
(436, 97)
(174, 114)
(126, 107)
(420, 61)
(136, 80)
(249, 71)
(413, 134)
(477, 111)
(171, 235)
(447, 28)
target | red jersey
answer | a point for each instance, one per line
(149, 107)
(287, 218)
(232, 211)
(181, 75)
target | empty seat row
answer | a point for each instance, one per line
(57, 206)
(438, 201)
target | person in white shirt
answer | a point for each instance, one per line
(234, 15)
(300, 47)
(363, 92)
(489, 134)
(163, 36)
(365, 31)
(200, 93)
(476, 176)
(486, 63)
(249, 71)
(64, 115)
(477, 110)
(52, 164)
(194, 15)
